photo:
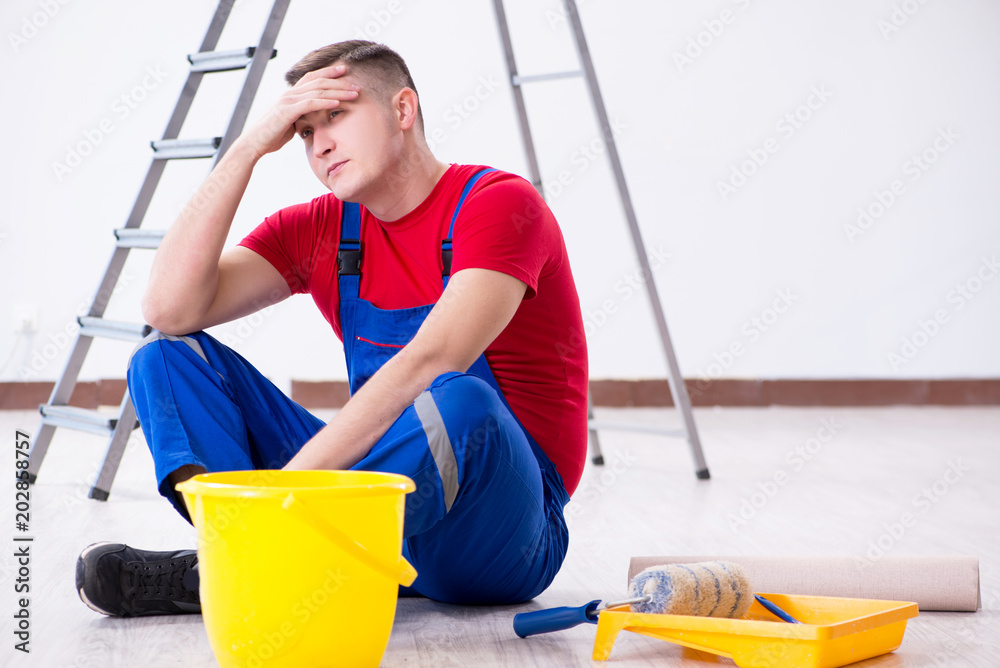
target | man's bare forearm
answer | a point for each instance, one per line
(477, 305)
(185, 272)
(367, 416)
(184, 280)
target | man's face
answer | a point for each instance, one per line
(352, 146)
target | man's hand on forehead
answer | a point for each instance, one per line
(334, 71)
(332, 77)
(322, 89)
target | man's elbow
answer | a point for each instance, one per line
(170, 321)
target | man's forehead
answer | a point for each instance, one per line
(344, 104)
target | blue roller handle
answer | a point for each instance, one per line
(554, 619)
(778, 612)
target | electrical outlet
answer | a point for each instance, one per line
(25, 319)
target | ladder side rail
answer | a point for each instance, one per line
(522, 111)
(255, 72)
(596, 455)
(179, 115)
(211, 40)
(67, 379)
(216, 25)
(127, 422)
(107, 286)
(674, 378)
(39, 446)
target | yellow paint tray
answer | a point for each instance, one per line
(834, 631)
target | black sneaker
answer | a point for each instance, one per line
(121, 581)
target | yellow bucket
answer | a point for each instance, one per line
(299, 568)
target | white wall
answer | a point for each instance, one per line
(892, 77)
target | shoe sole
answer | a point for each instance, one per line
(81, 577)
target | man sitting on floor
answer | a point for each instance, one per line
(451, 290)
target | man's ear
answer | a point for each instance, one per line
(404, 108)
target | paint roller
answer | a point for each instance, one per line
(706, 589)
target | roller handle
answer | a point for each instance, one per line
(554, 619)
(775, 610)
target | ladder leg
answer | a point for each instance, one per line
(57, 412)
(60, 397)
(596, 456)
(674, 379)
(116, 448)
(39, 446)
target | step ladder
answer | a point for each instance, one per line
(674, 380)
(57, 412)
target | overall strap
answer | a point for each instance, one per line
(349, 251)
(446, 246)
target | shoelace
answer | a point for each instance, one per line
(158, 580)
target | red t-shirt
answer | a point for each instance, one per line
(539, 360)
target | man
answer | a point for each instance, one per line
(452, 292)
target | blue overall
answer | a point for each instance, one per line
(485, 524)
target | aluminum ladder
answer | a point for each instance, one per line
(57, 412)
(677, 389)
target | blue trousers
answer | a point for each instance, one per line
(486, 527)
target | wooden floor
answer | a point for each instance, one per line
(840, 497)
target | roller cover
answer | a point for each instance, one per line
(933, 583)
(708, 589)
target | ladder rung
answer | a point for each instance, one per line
(519, 79)
(129, 237)
(80, 419)
(173, 149)
(223, 61)
(112, 329)
(595, 425)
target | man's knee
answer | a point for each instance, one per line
(158, 345)
(469, 405)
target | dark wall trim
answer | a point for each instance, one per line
(20, 396)
(732, 392)
(621, 393)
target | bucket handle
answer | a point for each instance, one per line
(401, 571)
